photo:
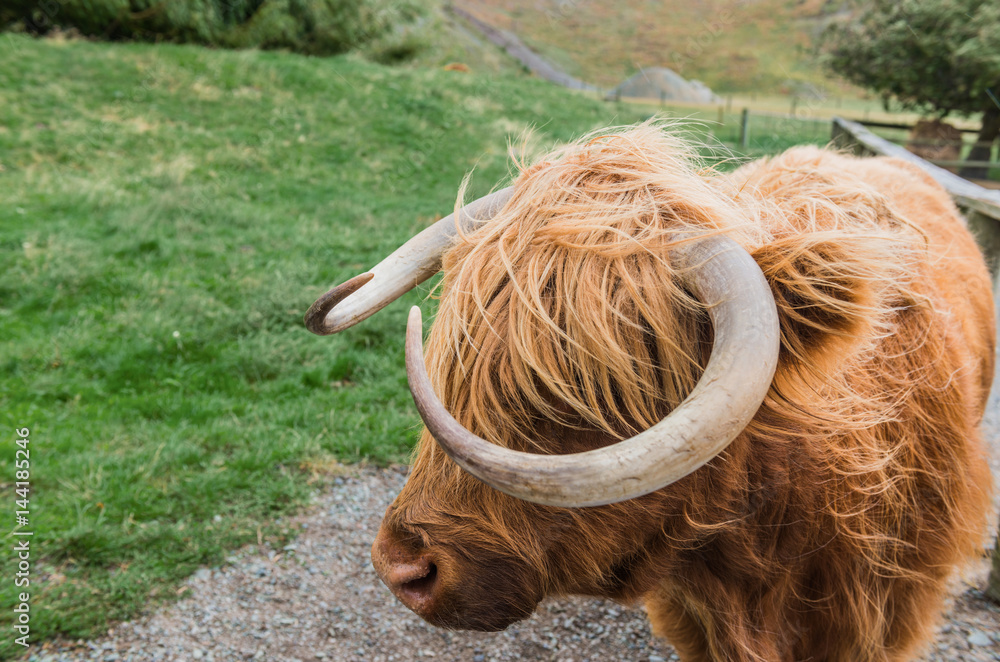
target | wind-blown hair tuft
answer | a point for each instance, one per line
(566, 306)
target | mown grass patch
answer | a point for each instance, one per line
(168, 215)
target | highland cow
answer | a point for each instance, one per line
(749, 400)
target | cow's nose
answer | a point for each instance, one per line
(413, 583)
(411, 574)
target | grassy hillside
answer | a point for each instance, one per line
(732, 45)
(168, 215)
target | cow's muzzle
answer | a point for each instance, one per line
(409, 571)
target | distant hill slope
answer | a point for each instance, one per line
(731, 45)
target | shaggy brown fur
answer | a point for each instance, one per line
(827, 529)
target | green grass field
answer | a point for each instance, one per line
(168, 215)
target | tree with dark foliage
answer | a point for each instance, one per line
(933, 56)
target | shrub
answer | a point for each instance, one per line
(319, 27)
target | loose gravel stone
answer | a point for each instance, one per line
(979, 638)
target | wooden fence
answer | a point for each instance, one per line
(939, 144)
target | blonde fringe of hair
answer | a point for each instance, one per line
(566, 306)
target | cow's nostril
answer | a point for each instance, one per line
(422, 585)
(401, 573)
(410, 571)
(415, 584)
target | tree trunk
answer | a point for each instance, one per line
(983, 148)
(993, 583)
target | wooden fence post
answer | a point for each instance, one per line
(745, 128)
(986, 230)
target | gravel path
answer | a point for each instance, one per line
(319, 599)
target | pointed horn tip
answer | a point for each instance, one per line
(315, 318)
(414, 337)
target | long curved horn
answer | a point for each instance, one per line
(411, 264)
(738, 375)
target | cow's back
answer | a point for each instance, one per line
(867, 458)
(955, 278)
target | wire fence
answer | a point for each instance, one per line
(762, 132)
(752, 133)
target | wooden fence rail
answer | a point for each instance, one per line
(745, 130)
(906, 127)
